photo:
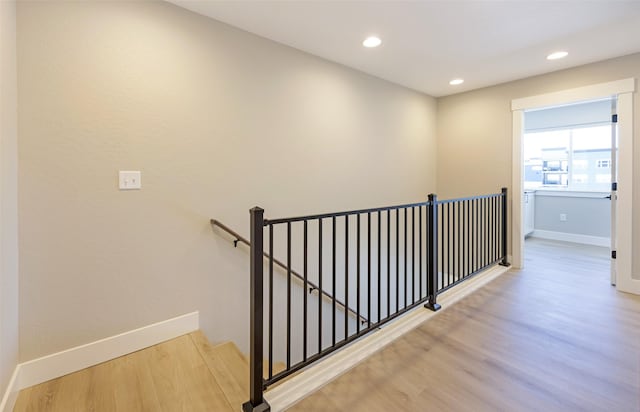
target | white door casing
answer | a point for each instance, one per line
(623, 90)
(624, 242)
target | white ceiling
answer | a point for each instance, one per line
(427, 43)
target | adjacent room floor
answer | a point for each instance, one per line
(555, 336)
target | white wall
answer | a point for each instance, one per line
(8, 195)
(218, 121)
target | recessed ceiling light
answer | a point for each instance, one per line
(456, 82)
(557, 55)
(371, 42)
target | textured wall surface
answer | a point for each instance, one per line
(8, 195)
(218, 121)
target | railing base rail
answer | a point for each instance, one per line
(263, 407)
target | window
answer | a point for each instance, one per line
(576, 158)
(580, 164)
(577, 178)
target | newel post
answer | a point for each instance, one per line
(504, 261)
(432, 252)
(256, 401)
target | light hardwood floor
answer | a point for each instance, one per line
(553, 337)
(183, 374)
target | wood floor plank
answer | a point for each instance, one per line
(133, 384)
(171, 377)
(554, 337)
(37, 398)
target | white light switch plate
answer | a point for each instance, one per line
(130, 180)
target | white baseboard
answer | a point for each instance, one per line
(572, 237)
(11, 394)
(296, 388)
(71, 360)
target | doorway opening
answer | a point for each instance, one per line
(622, 233)
(569, 165)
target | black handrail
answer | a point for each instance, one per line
(347, 213)
(312, 286)
(372, 210)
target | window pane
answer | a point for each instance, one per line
(546, 158)
(592, 158)
(592, 138)
(578, 158)
(580, 178)
(580, 164)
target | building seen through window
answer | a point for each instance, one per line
(573, 158)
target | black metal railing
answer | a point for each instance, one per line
(384, 261)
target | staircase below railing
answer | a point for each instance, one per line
(388, 260)
(310, 286)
